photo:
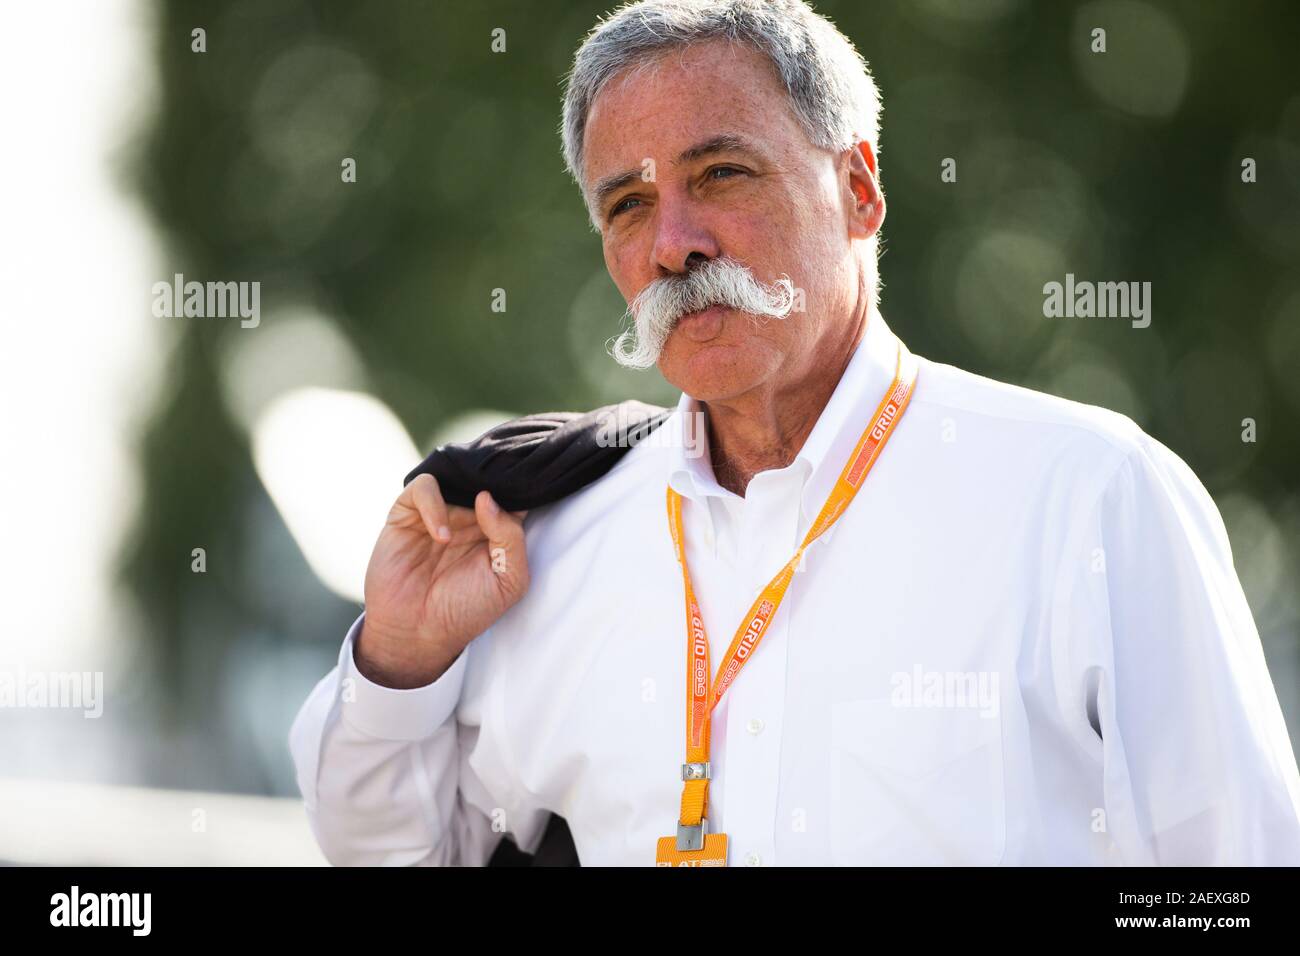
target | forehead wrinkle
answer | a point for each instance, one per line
(652, 64)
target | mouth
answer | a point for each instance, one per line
(709, 312)
(703, 324)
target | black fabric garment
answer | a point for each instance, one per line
(526, 463)
(556, 848)
(538, 459)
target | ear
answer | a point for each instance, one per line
(868, 210)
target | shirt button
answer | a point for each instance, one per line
(753, 859)
(755, 726)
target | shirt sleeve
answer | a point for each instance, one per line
(381, 773)
(1168, 677)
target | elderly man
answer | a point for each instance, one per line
(895, 614)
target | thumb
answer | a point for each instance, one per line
(505, 534)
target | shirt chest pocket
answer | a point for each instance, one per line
(915, 785)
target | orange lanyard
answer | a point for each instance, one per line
(700, 697)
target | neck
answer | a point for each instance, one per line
(764, 428)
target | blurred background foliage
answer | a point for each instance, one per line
(1117, 166)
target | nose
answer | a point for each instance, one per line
(682, 242)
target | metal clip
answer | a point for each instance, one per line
(696, 771)
(692, 837)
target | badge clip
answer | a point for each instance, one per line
(692, 837)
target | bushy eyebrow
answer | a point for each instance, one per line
(612, 184)
(722, 143)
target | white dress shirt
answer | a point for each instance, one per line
(1023, 643)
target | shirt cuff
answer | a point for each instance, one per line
(392, 714)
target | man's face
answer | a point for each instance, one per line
(734, 176)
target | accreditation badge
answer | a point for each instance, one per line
(713, 853)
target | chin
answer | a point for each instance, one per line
(714, 370)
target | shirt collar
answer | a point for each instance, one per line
(826, 450)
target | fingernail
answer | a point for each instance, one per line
(492, 505)
(444, 533)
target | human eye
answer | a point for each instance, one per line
(623, 205)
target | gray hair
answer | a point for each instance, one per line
(829, 85)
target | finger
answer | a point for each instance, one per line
(462, 517)
(423, 495)
(465, 528)
(505, 534)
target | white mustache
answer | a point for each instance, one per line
(655, 310)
